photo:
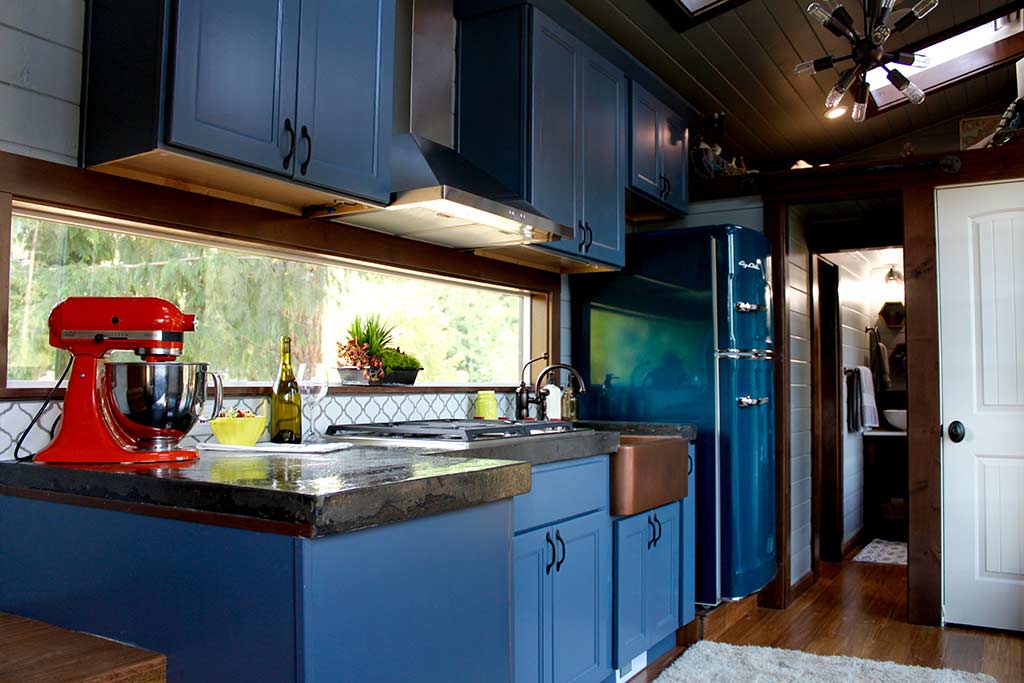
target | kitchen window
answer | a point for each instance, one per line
(245, 299)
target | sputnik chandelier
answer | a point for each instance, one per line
(868, 50)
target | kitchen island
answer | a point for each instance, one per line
(382, 564)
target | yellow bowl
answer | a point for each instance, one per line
(238, 431)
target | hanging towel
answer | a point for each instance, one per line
(879, 361)
(854, 418)
(869, 411)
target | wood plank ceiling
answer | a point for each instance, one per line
(741, 62)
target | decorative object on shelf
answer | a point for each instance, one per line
(367, 357)
(706, 155)
(893, 314)
(868, 51)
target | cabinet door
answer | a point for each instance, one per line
(673, 143)
(603, 158)
(582, 600)
(662, 594)
(632, 536)
(645, 124)
(554, 143)
(346, 58)
(688, 528)
(234, 80)
(532, 555)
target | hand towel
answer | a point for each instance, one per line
(869, 410)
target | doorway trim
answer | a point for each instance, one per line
(826, 414)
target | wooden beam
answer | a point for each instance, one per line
(111, 196)
(776, 227)
(924, 428)
(5, 281)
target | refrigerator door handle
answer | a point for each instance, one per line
(750, 401)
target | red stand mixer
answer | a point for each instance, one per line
(126, 412)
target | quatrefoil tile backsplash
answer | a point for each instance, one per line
(15, 416)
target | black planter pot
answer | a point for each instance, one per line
(352, 375)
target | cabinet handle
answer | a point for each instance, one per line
(654, 532)
(309, 150)
(668, 188)
(558, 536)
(689, 465)
(583, 236)
(658, 537)
(547, 569)
(590, 237)
(662, 180)
(291, 147)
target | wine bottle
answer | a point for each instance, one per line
(285, 402)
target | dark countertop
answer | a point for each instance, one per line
(685, 431)
(307, 495)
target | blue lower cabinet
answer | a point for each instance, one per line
(533, 561)
(424, 600)
(562, 575)
(647, 584)
(582, 600)
(688, 536)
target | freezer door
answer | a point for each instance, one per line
(747, 489)
(743, 265)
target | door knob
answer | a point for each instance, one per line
(957, 431)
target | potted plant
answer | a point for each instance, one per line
(368, 357)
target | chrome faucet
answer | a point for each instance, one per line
(523, 399)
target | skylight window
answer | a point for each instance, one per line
(952, 59)
(697, 6)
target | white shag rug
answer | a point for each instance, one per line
(708, 662)
(883, 552)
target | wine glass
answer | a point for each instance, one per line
(312, 387)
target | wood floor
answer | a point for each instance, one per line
(859, 610)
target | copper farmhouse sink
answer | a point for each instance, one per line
(648, 471)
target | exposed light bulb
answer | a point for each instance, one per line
(921, 60)
(913, 93)
(835, 96)
(860, 101)
(888, 5)
(818, 11)
(804, 68)
(922, 8)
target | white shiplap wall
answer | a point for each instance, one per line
(854, 296)
(40, 77)
(799, 300)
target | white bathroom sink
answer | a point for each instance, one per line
(897, 418)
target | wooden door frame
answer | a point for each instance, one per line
(916, 179)
(827, 493)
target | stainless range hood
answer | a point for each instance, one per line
(438, 196)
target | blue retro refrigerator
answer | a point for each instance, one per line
(683, 334)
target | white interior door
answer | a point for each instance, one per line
(981, 327)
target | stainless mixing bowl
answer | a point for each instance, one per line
(157, 403)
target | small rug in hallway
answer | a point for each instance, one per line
(708, 662)
(883, 552)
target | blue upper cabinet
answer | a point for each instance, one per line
(344, 95)
(226, 94)
(554, 139)
(659, 146)
(234, 80)
(556, 134)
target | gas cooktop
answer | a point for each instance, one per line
(451, 433)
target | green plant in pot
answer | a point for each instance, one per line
(368, 357)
